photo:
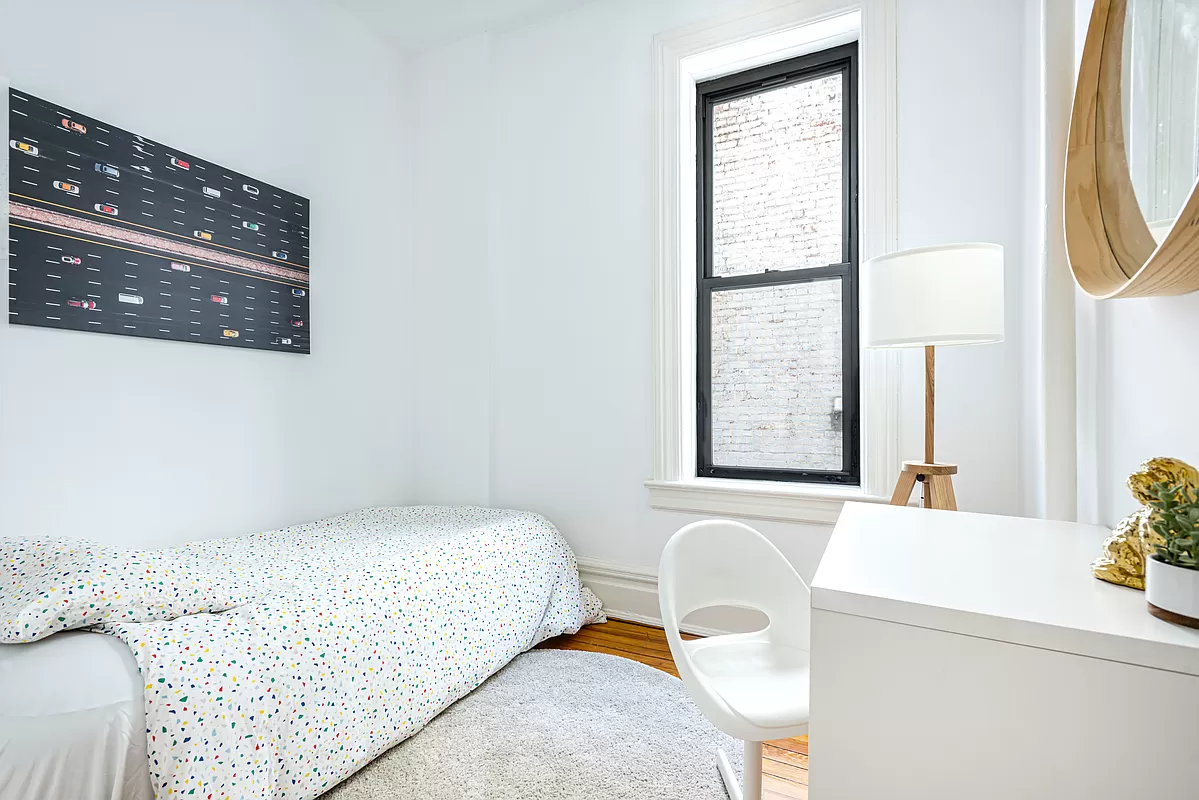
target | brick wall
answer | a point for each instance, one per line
(776, 352)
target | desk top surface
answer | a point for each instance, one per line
(1024, 581)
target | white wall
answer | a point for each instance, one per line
(450, 286)
(965, 172)
(146, 442)
(1147, 385)
(567, 119)
(482, 245)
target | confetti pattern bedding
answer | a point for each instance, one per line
(348, 635)
(50, 585)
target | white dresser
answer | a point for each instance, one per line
(966, 656)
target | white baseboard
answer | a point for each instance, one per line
(631, 593)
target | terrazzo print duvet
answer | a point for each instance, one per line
(359, 630)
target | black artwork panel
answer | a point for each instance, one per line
(115, 233)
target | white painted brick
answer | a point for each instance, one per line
(776, 353)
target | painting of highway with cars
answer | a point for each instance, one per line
(115, 233)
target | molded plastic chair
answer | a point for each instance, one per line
(752, 686)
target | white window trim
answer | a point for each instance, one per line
(755, 36)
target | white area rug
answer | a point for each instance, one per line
(557, 724)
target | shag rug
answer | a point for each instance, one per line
(557, 724)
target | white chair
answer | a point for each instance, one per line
(752, 686)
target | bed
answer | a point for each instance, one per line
(271, 665)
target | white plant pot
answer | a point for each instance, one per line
(1172, 592)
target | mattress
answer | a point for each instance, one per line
(267, 666)
(72, 720)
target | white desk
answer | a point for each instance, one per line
(968, 657)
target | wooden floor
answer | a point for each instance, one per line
(784, 762)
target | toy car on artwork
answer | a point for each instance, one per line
(175, 265)
(27, 149)
(88, 305)
(248, 189)
(205, 235)
(298, 292)
(76, 260)
(104, 208)
(279, 254)
(228, 334)
(73, 126)
(108, 169)
(216, 298)
(134, 299)
(69, 188)
(297, 323)
(180, 163)
(250, 226)
(208, 190)
(282, 340)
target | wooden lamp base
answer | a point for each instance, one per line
(937, 480)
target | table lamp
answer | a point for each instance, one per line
(932, 297)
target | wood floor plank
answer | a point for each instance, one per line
(785, 756)
(630, 628)
(784, 761)
(797, 745)
(645, 658)
(615, 628)
(785, 770)
(768, 794)
(637, 629)
(777, 787)
(627, 643)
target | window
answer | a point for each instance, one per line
(737, 45)
(777, 251)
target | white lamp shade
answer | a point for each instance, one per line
(944, 295)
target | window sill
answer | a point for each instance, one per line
(756, 499)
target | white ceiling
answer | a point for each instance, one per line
(419, 24)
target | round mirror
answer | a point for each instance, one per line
(1159, 93)
(1131, 210)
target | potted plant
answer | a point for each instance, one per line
(1172, 569)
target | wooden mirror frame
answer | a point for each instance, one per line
(1111, 251)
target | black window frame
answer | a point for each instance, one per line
(841, 59)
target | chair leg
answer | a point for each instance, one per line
(752, 769)
(752, 790)
(731, 785)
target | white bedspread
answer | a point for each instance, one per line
(359, 630)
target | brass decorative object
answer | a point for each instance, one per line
(1161, 470)
(1123, 559)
